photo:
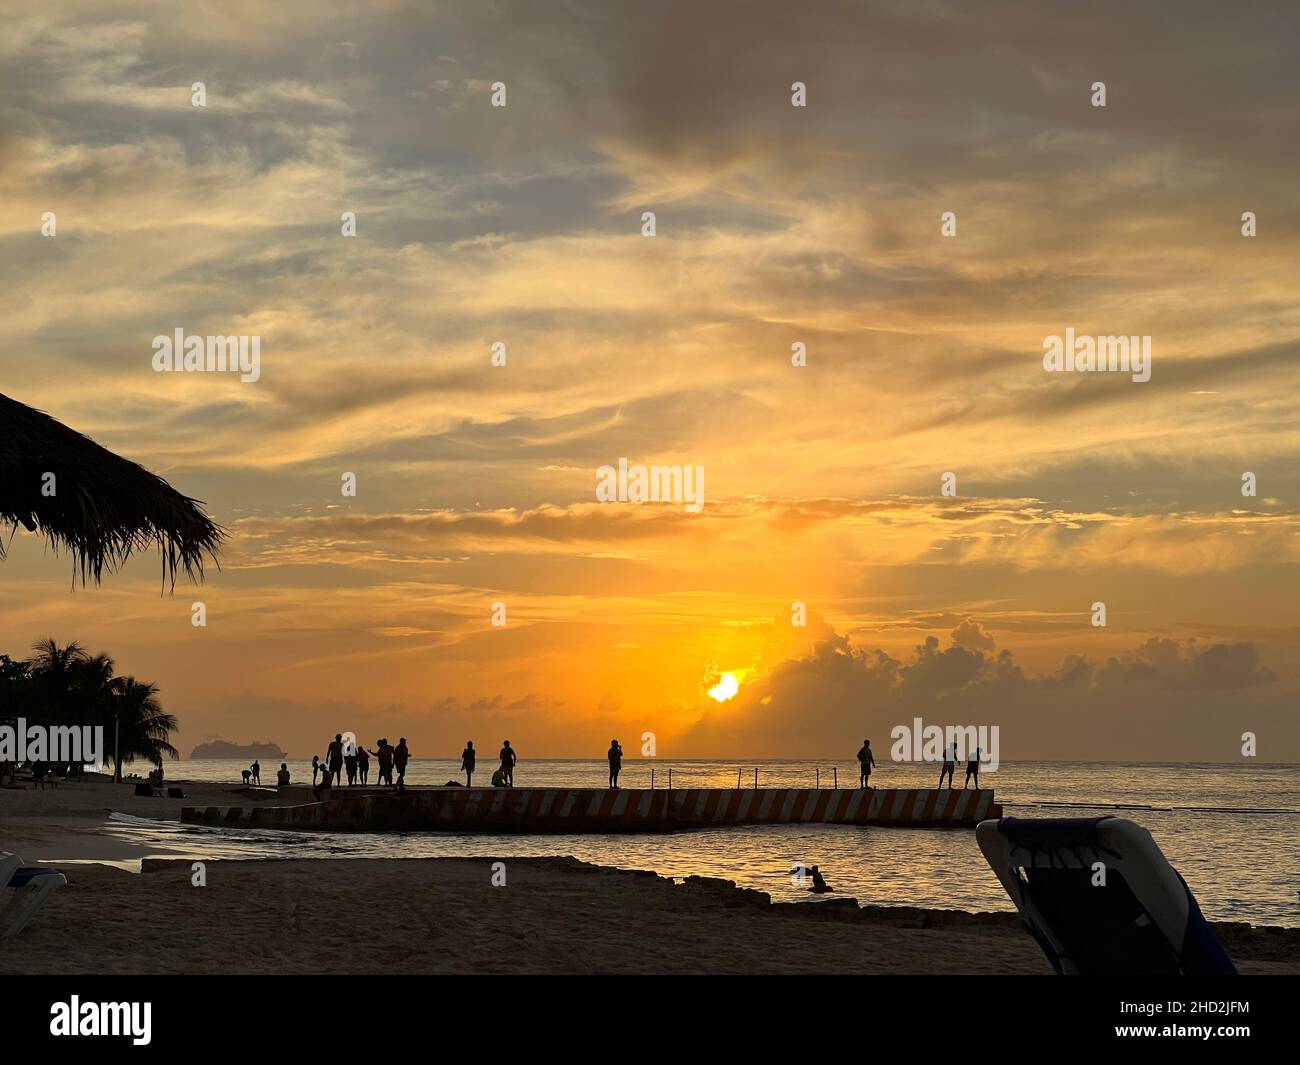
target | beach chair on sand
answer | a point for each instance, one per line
(1100, 898)
(32, 887)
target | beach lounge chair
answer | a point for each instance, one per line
(1100, 898)
(33, 885)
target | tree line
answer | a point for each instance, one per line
(66, 685)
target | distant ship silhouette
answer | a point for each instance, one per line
(246, 751)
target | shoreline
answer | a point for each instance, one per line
(65, 823)
(559, 915)
(555, 914)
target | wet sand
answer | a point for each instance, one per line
(64, 822)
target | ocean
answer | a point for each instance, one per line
(1233, 831)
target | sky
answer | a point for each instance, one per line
(774, 225)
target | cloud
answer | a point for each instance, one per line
(777, 225)
(970, 636)
(1022, 533)
(1162, 696)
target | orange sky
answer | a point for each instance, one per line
(775, 225)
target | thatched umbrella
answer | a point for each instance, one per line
(102, 507)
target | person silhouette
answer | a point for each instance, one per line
(385, 756)
(282, 777)
(401, 755)
(315, 768)
(866, 762)
(949, 764)
(350, 761)
(973, 770)
(256, 769)
(615, 762)
(508, 760)
(334, 756)
(363, 765)
(467, 760)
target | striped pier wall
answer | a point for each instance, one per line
(594, 810)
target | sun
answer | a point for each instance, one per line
(726, 687)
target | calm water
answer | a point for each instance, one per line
(1233, 831)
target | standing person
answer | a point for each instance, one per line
(615, 762)
(467, 759)
(508, 760)
(350, 761)
(256, 768)
(334, 756)
(385, 756)
(401, 755)
(949, 764)
(866, 762)
(315, 768)
(363, 765)
(973, 770)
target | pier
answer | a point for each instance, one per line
(597, 810)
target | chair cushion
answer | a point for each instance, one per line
(22, 876)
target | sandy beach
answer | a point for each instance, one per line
(443, 915)
(64, 822)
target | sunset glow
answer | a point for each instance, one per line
(570, 489)
(895, 505)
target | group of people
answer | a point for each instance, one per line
(504, 777)
(867, 762)
(352, 759)
(252, 775)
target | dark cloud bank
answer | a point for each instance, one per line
(1163, 700)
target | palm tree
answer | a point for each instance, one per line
(68, 686)
(53, 671)
(143, 727)
(54, 660)
(93, 694)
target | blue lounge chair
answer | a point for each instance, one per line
(33, 885)
(1100, 898)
